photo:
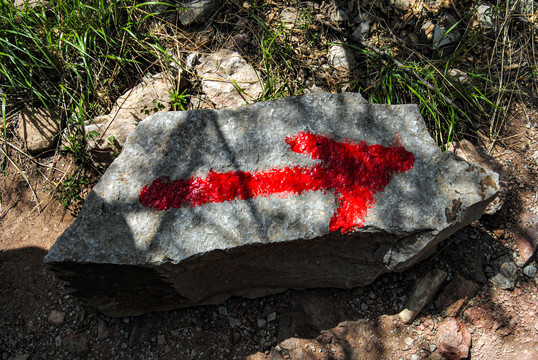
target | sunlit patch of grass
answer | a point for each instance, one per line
(75, 55)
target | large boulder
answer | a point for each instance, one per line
(321, 190)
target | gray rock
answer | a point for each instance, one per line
(187, 12)
(271, 316)
(442, 37)
(234, 322)
(421, 294)
(361, 32)
(261, 322)
(479, 155)
(39, 128)
(403, 4)
(28, 4)
(126, 258)
(288, 17)
(103, 331)
(506, 275)
(530, 270)
(196, 11)
(459, 75)
(338, 16)
(228, 80)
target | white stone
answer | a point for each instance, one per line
(341, 58)
(151, 96)
(484, 16)
(228, 80)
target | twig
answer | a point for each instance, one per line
(530, 23)
(15, 147)
(11, 205)
(24, 176)
(403, 67)
(53, 190)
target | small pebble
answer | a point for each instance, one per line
(530, 270)
(271, 317)
(56, 317)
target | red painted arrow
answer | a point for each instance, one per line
(354, 171)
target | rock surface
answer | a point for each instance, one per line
(217, 240)
(38, 128)
(479, 155)
(152, 95)
(228, 80)
(341, 58)
(56, 317)
(453, 339)
(196, 11)
(506, 272)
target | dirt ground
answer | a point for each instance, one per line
(314, 324)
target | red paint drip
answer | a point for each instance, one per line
(356, 172)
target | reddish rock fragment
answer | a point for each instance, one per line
(527, 236)
(453, 339)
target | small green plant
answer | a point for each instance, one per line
(70, 192)
(76, 138)
(157, 106)
(179, 100)
(115, 146)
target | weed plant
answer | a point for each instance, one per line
(75, 55)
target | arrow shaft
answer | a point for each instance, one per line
(354, 171)
(233, 185)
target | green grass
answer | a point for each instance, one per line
(75, 55)
(448, 104)
(80, 56)
(70, 191)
